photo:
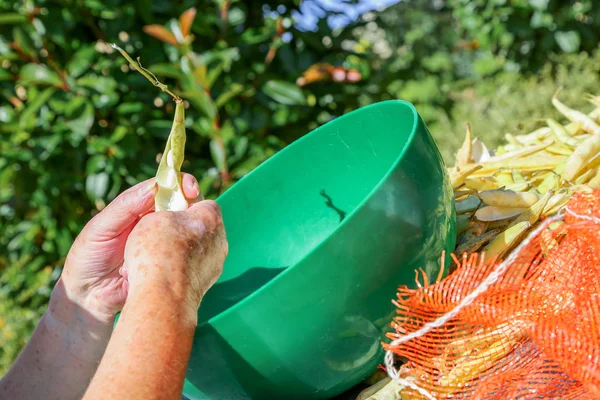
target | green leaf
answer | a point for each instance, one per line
(539, 4)
(488, 64)
(12, 18)
(239, 149)
(130, 108)
(203, 127)
(64, 240)
(102, 84)
(233, 90)
(438, 62)
(24, 42)
(226, 132)
(116, 186)
(201, 101)
(284, 92)
(218, 154)
(81, 121)
(105, 100)
(95, 164)
(28, 115)
(7, 114)
(38, 73)
(568, 41)
(49, 144)
(4, 46)
(237, 16)
(213, 74)
(541, 19)
(5, 75)
(256, 35)
(159, 128)
(118, 134)
(81, 61)
(96, 186)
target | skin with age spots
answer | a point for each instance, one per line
(70, 340)
(173, 243)
(171, 260)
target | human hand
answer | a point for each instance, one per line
(182, 252)
(91, 277)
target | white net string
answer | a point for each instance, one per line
(467, 300)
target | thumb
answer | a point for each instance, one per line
(123, 211)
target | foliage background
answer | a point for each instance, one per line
(78, 126)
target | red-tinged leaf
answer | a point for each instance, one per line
(185, 21)
(161, 33)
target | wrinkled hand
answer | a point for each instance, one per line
(91, 276)
(180, 251)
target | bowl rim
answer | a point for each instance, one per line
(359, 206)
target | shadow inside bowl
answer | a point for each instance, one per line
(281, 211)
(224, 295)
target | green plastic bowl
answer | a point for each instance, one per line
(320, 237)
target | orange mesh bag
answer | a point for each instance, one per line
(524, 328)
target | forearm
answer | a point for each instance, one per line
(62, 355)
(147, 356)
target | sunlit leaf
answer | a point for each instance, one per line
(24, 42)
(234, 90)
(81, 121)
(38, 73)
(185, 21)
(12, 18)
(161, 33)
(568, 41)
(284, 92)
(201, 101)
(28, 115)
(96, 185)
(81, 61)
(217, 152)
(5, 75)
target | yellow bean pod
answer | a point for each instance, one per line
(595, 182)
(492, 213)
(587, 123)
(533, 213)
(508, 198)
(169, 196)
(561, 133)
(464, 155)
(506, 240)
(474, 244)
(504, 177)
(523, 152)
(584, 152)
(551, 181)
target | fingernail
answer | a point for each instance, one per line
(196, 188)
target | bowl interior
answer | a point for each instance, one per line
(282, 210)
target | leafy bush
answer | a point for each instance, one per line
(512, 103)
